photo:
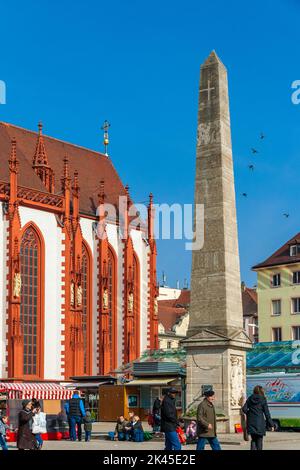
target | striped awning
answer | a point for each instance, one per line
(40, 391)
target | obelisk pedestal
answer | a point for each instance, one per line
(216, 343)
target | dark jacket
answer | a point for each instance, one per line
(75, 407)
(25, 438)
(137, 426)
(168, 414)
(156, 406)
(88, 422)
(258, 415)
(120, 427)
(206, 415)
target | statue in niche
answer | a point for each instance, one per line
(72, 294)
(105, 299)
(130, 302)
(17, 285)
(79, 296)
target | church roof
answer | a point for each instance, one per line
(282, 255)
(92, 166)
(249, 301)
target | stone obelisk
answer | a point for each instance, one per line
(216, 343)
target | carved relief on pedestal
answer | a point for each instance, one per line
(72, 294)
(236, 380)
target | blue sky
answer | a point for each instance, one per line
(73, 64)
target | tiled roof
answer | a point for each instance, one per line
(92, 166)
(249, 301)
(281, 256)
(170, 311)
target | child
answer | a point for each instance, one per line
(88, 426)
(191, 432)
(3, 428)
(137, 427)
(180, 431)
(39, 425)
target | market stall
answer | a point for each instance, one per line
(52, 396)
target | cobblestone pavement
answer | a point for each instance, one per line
(276, 441)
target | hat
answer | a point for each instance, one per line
(209, 393)
(25, 403)
(172, 390)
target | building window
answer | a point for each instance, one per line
(169, 344)
(276, 334)
(276, 280)
(30, 307)
(136, 304)
(296, 305)
(86, 307)
(295, 250)
(296, 277)
(276, 307)
(112, 306)
(296, 332)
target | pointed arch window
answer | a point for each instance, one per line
(112, 306)
(136, 303)
(86, 308)
(31, 307)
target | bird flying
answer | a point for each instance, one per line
(244, 194)
(286, 215)
(262, 136)
(251, 167)
(253, 150)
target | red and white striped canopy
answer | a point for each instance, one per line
(40, 391)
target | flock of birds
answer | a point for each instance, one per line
(251, 168)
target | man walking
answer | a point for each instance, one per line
(169, 420)
(75, 412)
(206, 423)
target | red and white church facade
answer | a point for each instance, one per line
(78, 283)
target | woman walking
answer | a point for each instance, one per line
(258, 417)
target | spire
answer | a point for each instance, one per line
(65, 180)
(13, 162)
(150, 218)
(105, 127)
(40, 162)
(40, 156)
(212, 59)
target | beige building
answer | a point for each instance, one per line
(278, 291)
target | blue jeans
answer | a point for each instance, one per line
(172, 441)
(3, 443)
(39, 439)
(138, 435)
(88, 436)
(213, 442)
(123, 436)
(75, 421)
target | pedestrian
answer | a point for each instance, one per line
(169, 420)
(75, 412)
(88, 426)
(120, 431)
(181, 431)
(156, 414)
(207, 423)
(191, 432)
(258, 417)
(39, 425)
(137, 429)
(129, 425)
(25, 438)
(3, 428)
